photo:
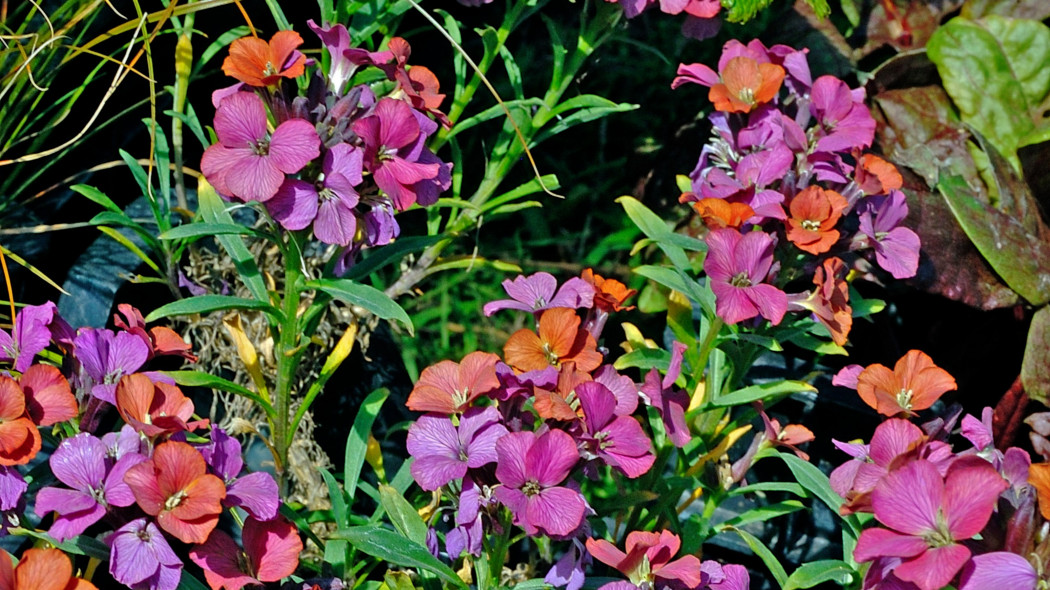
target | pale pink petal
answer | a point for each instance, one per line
(293, 145)
(909, 498)
(240, 120)
(558, 511)
(898, 253)
(934, 569)
(893, 438)
(877, 542)
(551, 458)
(731, 303)
(217, 162)
(771, 302)
(254, 178)
(511, 449)
(998, 570)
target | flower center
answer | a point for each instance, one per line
(531, 488)
(99, 495)
(326, 194)
(261, 147)
(904, 398)
(552, 358)
(460, 397)
(941, 537)
(740, 280)
(244, 563)
(810, 224)
(747, 95)
(270, 70)
(173, 501)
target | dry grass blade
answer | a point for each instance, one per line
(7, 282)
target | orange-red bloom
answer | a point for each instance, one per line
(720, 213)
(153, 408)
(876, 176)
(49, 400)
(831, 299)
(258, 63)
(175, 486)
(19, 438)
(609, 294)
(449, 387)
(40, 569)
(915, 383)
(562, 403)
(746, 84)
(560, 340)
(1039, 477)
(813, 215)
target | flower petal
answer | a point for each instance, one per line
(910, 498)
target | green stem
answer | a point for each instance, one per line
(288, 355)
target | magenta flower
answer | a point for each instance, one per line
(248, 162)
(619, 441)
(737, 265)
(256, 492)
(531, 467)
(328, 204)
(31, 335)
(537, 293)
(736, 578)
(271, 552)
(844, 121)
(444, 453)
(394, 151)
(141, 558)
(105, 357)
(336, 40)
(647, 563)
(621, 386)
(80, 463)
(928, 516)
(667, 399)
(896, 247)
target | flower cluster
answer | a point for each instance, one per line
(339, 159)
(143, 485)
(933, 503)
(701, 16)
(546, 413)
(786, 190)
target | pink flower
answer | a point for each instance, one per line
(271, 552)
(531, 467)
(619, 441)
(737, 266)
(647, 562)
(928, 516)
(248, 162)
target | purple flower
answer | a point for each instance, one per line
(141, 558)
(536, 293)
(80, 463)
(621, 386)
(328, 204)
(336, 40)
(736, 578)
(568, 571)
(12, 488)
(256, 493)
(896, 247)
(617, 440)
(31, 335)
(928, 516)
(845, 122)
(737, 265)
(468, 532)
(394, 138)
(121, 443)
(105, 357)
(249, 163)
(444, 453)
(998, 569)
(531, 467)
(669, 401)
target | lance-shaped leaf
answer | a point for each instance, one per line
(1035, 368)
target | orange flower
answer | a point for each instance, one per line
(831, 299)
(258, 63)
(19, 438)
(913, 384)
(449, 387)
(720, 213)
(153, 408)
(609, 294)
(560, 340)
(1039, 477)
(40, 569)
(813, 215)
(49, 399)
(876, 176)
(562, 403)
(746, 84)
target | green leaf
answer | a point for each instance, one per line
(588, 107)
(644, 359)
(357, 440)
(387, 545)
(761, 391)
(97, 196)
(814, 480)
(770, 486)
(204, 228)
(821, 8)
(402, 515)
(188, 582)
(201, 379)
(810, 574)
(1021, 259)
(740, 11)
(365, 296)
(79, 545)
(212, 210)
(207, 304)
(763, 553)
(131, 246)
(1035, 368)
(997, 71)
(380, 257)
(763, 513)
